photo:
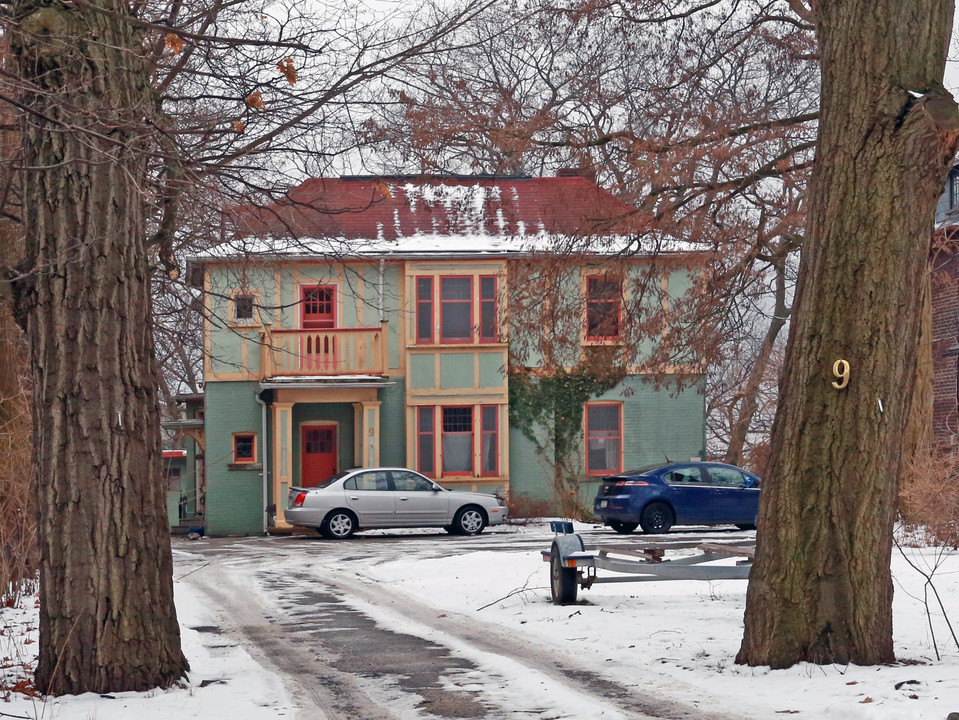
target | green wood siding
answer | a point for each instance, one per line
(423, 372)
(492, 369)
(657, 424)
(456, 371)
(234, 498)
(393, 425)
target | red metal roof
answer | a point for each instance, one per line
(402, 206)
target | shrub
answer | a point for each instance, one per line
(18, 524)
(522, 508)
(929, 496)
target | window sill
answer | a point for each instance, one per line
(244, 466)
(602, 341)
(455, 346)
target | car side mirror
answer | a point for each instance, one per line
(436, 488)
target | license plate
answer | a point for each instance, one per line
(603, 503)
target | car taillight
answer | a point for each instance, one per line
(631, 483)
(299, 500)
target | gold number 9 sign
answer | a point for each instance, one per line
(840, 369)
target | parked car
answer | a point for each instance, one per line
(692, 493)
(366, 498)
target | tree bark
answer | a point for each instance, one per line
(821, 589)
(919, 435)
(107, 619)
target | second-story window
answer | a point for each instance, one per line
(488, 309)
(424, 310)
(603, 305)
(318, 306)
(456, 309)
(243, 308)
(953, 189)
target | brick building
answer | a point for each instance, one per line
(945, 313)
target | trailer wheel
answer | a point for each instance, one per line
(562, 580)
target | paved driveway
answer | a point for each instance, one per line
(306, 608)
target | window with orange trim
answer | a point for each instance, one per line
(457, 440)
(244, 447)
(426, 440)
(489, 440)
(456, 309)
(488, 330)
(604, 438)
(243, 307)
(424, 310)
(603, 307)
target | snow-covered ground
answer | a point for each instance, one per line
(675, 639)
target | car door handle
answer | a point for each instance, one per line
(354, 497)
(402, 498)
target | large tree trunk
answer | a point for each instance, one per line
(919, 436)
(821, 588)
(107, 619)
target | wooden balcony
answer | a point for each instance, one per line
(340, 351)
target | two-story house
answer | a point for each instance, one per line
(366, 322)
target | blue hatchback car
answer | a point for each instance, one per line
(692, 493)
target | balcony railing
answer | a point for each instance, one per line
(341, 351)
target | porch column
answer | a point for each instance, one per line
(370, 430)
(282, 458)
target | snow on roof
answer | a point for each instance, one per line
(391, 208)
(321, 378)
(438, 216)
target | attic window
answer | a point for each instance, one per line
(243, 308)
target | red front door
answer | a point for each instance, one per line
(319, 454)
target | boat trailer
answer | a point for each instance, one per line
(572, 565)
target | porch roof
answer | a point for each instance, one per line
(323, 381)
(182, 424)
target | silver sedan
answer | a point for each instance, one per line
(389, 498)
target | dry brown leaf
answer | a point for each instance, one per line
(173, 42)
(286, 67)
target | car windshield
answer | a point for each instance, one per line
(330, 480)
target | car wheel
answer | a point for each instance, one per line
(469, 520)
(562, 580)
(656, 518)
(623, 528)
(338, 525)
